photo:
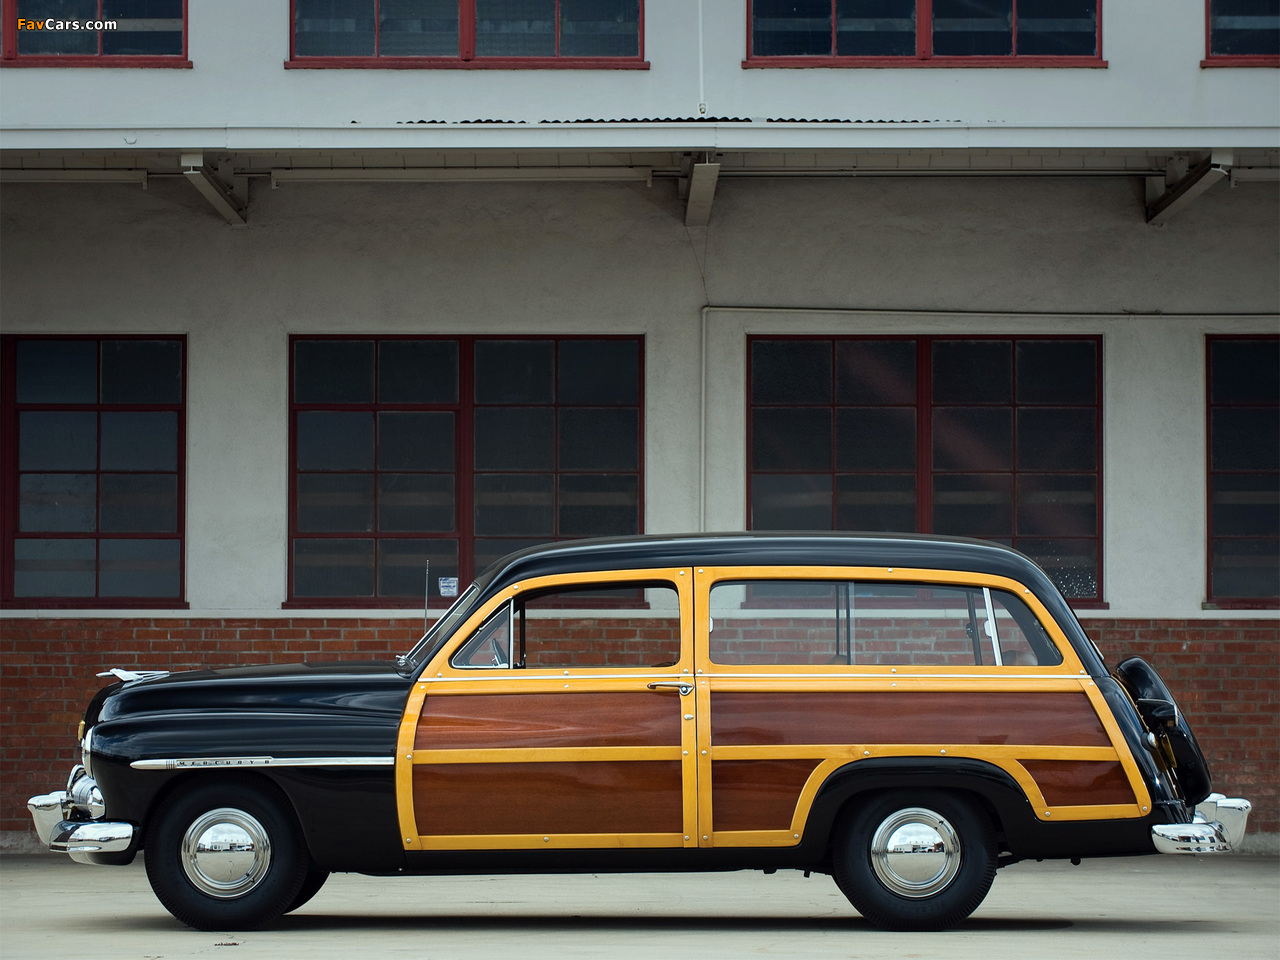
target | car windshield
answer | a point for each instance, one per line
(430, 643)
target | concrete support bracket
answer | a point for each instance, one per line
(1176, 196)
(220, 197)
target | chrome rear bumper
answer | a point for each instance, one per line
(1218, 827)
(70, 821)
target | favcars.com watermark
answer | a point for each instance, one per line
(65, 25)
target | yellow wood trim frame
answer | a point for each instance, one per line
(552, 841)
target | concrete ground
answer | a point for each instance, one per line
(1150, 907)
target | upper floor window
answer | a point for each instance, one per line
(138, 33)
(94, 471)
(937, 32)
(1244, 470)
(475, 33)
(1243, 33)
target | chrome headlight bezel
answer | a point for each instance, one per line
(86, 751)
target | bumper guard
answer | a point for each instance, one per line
(1217, 827)
(70, 821)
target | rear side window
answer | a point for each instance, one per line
(811, 623)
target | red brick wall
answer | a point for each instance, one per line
(1226, 675)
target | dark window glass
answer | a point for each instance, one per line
(143, 27)
(57, 440)
(514, 504)
(333, 28)
(55, 568)
(598, 506)
(791, 371)
(333, 371)
(132, 568)
(141, 371)
(335, 502)
(794, 501)
(333, 568)
(515, 438)
(139, 503)
(515, 371)
(139, 441)
(1072, 564)
(973, 505)
(599, 28)
(1239, 28)
(596, 438)
(1050, 438)
(1065, 505)
(1245, 504)
(875, 371)
(1244, 372)
(969, 28)
(1057, 371)
(883, 503)
(416, 502)
(417, 28)
(875, 438)
(781, 28)
(490, 550)
(335, 440)
(515, 28)
(791, 438)
(599, 372)
(972, 371)
(69, 42)
(1244, 438)
(1246, 569)
(416, 441)
(1057, 28)
(972, 438)
(401, 564)
(876, 28)
(417, 371)
(57, 371)
(58, 502)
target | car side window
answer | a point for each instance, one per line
(808, 622)
(618, 624)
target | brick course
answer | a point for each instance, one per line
(1225, 674)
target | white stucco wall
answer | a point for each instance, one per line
(805, 257)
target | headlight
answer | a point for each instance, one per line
(86, 751)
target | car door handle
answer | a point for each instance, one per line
(683, 686)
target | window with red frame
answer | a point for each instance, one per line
(1244, 470)
(416, 32)
(93, 458)
(918, 30)
(997, 438)
(1244, 31)
(95, 32)
(422, 456)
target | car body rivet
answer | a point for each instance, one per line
(546, 839)
(795, 836)
(1144, 809)
(866, 753)
(704, 838)
(942, 751)
(686, 838)
(1048, 813)
(704, 753)
(684, 753)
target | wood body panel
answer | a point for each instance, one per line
(626, 797)
(1080, 782)
(489, 721)
(856, 717)
(757, 794)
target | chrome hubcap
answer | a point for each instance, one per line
(915, 852)
(225, 853)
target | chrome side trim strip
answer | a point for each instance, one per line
(186, 763)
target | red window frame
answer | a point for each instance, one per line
(10, 57)
(464, 409)
(466, 58)
(924, 407)
(1212, 59)
(1211, 538)
(924, 56)
(9, 471)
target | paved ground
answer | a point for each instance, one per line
(1152, 907)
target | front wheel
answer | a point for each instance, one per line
(226, 856)
(915, 861)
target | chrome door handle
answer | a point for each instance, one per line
(683, 686)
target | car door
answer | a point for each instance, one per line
(560, 716)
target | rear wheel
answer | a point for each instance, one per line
(226, 855)
(915, 861)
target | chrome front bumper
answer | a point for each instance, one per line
(70, 821)
(1218, 827)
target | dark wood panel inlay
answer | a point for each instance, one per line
(623, 719)
(1066, 719)
(547, 798)
(1066, 783)
(757, 794)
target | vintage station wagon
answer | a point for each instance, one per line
(907, 714)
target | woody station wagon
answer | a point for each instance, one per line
(907, 714)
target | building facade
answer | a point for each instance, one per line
(311, 307)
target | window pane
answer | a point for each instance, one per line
(54, 568)
(1244, 371)
(599, 439)
(139, 503)
(140, 441)
(515, 438)
(418, 371)
(875, 371)
(1072, 565)
(405, 567)
(1057, 28)
(141, 371)
(1057, 371)
(1057, 505)
(790, 371)
(791, 438)
(1246, 568)
(623, 625)
(876, 438)
(333, 371)
(335, 441)
(972, 28)
(973, 505)
(57, 371)
(139, 568)
(1245, 504)
(144, 27)
(1244, 27)
(884, 503)
(973, 438)
(333, 28)
(599, 28)
(418, 28)
(57, 502)
(335, 502)
(1245, 438)
(599, 372)
(1057, 439)
(65, 41)
(416, 441)
(972, 371)
(514, 371)
(57, 440)
(416, 503)
(791, 28)
(876, 28)
(599, 506)
(518, 505)
(333, 568)
(515, 28)
(791, 502)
